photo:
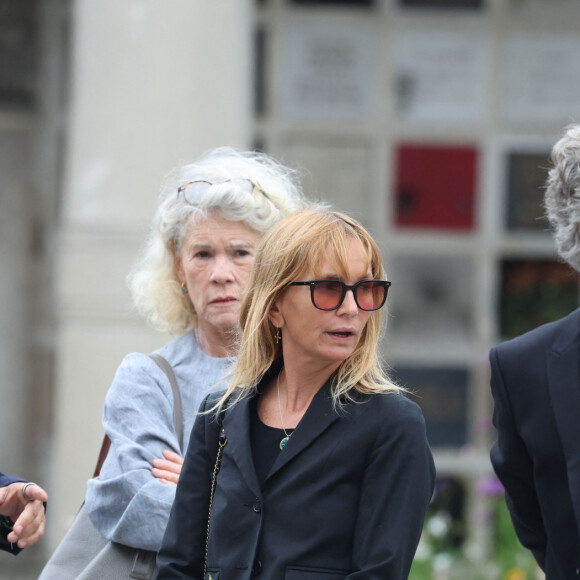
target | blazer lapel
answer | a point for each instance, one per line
(317, 419)
(237, 427)
(564, 381)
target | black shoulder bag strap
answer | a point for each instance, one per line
(222, 441)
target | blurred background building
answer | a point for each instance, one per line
(429, 120)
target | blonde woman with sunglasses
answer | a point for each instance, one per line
(325, 472)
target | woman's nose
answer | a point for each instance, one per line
(222, 270)
(349, 304)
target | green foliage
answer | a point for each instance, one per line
(440, 557)
(508, 552)
(545, 302)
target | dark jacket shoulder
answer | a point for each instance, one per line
(390, 414)
(558, 336)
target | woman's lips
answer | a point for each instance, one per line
(342, 333)
(224, 300)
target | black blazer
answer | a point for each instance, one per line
(535, 381)
(346, 497)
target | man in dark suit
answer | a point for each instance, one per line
(22, 516)
(535, 381)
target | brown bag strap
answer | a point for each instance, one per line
(105, 446)
(164, 365)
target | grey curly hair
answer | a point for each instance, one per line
(154, 286)
(562, 196)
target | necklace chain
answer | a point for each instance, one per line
(284, 441)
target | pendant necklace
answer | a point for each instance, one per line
(284, 440)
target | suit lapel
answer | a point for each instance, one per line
(237, 428)
(564, 380)
(317, 419)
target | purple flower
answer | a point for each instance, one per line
(490, 486)
(441, 483)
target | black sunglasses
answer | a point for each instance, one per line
(329, 294)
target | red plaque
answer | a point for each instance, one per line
(436, 187)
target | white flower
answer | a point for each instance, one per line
(442, 562)
(438, 525)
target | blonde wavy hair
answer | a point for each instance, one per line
(155, 288)
(299, 243)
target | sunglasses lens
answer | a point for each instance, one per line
(371, 295)
(327, 294)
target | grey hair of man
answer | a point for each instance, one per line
(156, 291)
(562, 196)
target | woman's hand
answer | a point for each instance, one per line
(27, 513)
(168, 470)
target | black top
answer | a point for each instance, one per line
(265, 441)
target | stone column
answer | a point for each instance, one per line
(154, 84)
(16, 416)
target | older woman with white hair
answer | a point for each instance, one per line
(188, 282)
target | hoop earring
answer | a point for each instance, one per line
(278, 335)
